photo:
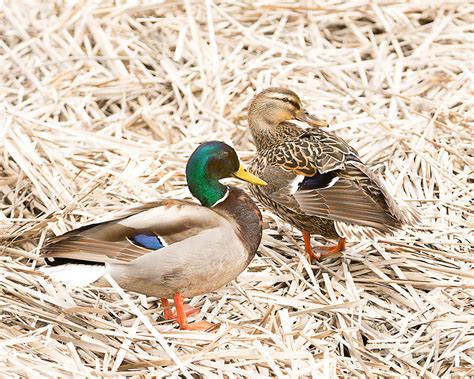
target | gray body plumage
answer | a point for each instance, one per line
(206, 248)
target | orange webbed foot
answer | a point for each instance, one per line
(182, 319)
(169, 314)
(198, 325)
(322, 252)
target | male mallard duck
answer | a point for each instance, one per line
(314, 177)
(170, 248)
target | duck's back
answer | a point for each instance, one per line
(316, 178)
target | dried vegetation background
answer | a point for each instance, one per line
(101, 104)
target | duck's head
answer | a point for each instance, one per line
(209, 163)
(275, 105)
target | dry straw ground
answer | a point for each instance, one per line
(103, 102)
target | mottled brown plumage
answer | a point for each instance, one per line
(314, 177)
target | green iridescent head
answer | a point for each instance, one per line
(209, 163)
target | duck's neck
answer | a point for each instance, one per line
(208, 191)
(239, 207)
(266, 134)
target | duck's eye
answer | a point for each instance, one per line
(292, 102)
(225, 155)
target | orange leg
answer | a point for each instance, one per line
(327, 250)
(170, 315)
(307, 246)
(181, 316)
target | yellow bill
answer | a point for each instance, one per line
(243, 174)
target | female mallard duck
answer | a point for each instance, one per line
(314, 177)
(170, 248)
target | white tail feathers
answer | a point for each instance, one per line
(75, 275)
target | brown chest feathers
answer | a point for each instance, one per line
(239, 207)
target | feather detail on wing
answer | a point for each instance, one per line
(345, 201)
(132, 233)
(404, 213)
(94, 250)
(319, 174)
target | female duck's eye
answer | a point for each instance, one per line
(286, 100)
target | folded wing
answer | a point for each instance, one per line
(319, 174)
(131, 234)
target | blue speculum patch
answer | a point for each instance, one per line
(317, 181)
(148, 241)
